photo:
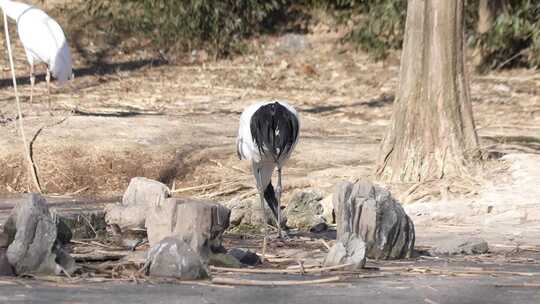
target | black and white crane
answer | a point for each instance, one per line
(267, 136)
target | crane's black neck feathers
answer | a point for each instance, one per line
(274, 129)
(271, 200)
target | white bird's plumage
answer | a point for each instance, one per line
(247, 148)
(267, 135)
(42, 38)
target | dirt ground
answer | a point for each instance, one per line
(412, 289)
(137, 115)
(177, 123)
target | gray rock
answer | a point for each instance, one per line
(328, 209)
(66, 261)
(460, 245)
(172, 257)
(321, 227)
(240, 211)
(63, 232)
(293, 43)
(5, 267)
(32, 234)
(199, 223)
(223, 260)
(371, 213)
(161, 220)
(245, 256)
(144, 191)
(305, 210)
(248, 212)
(350, 249)
(4, 240)
(141, 194)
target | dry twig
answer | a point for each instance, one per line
(283, 271)
(325, 244)
(463, 271)
(524, 285)
(204, 187)
(244, 282)
(31, 165)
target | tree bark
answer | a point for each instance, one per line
(488, 10)
(432, 132)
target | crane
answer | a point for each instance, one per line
(43, 40)
(267, 136)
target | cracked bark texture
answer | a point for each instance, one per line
(432, 132)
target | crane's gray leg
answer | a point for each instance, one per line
(265, 228)
(48, 79)
(278, 197)
(32, 82)
(258, 179)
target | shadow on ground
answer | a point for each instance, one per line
(99, 69)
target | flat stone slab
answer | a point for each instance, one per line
(140, 196)
(200, 223)
(460, 245)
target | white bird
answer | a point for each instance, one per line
(43, 40)
(267, 136)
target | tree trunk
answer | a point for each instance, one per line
(488, 10)
(432, 132)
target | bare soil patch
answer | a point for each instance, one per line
(177, 123)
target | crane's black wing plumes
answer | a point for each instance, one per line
(275, 130)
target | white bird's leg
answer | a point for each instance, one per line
(265, 229)
(32, 82)
(258, 178)
(48, 79)
(278, 197)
